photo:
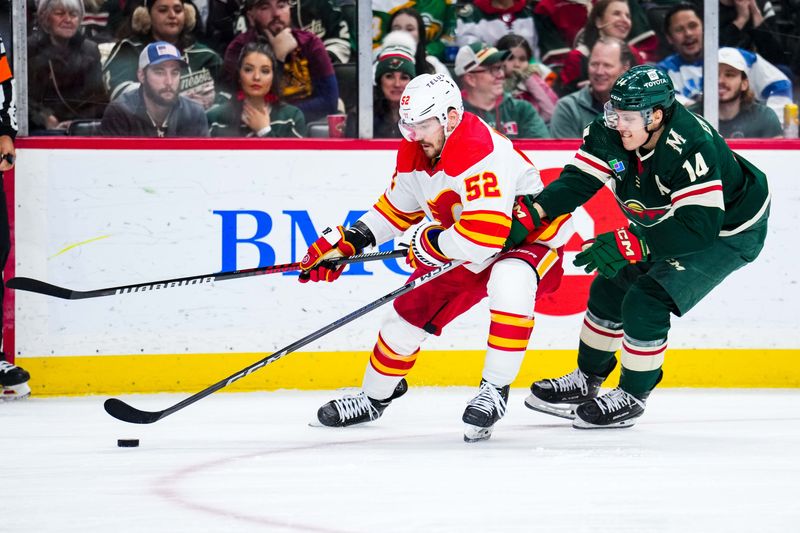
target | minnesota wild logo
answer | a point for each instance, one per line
(646, 216)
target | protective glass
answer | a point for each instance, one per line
(618, 119)
(414, 132)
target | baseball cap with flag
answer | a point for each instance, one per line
(158, 52)
(478, 53)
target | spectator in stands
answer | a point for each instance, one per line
(439, 21)
(482, 74)
(170, 21)
(655, 11)
(525, 76)
(348, 8)
(156, 109)
(560, 21)
(64, 81)
(95, 21)
(608, 59)
(309, 79)
(324, 19)
(794, 61)
(257, 109)
(13, 379)
(104, 21)
(394, 68)
(409, 20)
(225, 21)
(488, 20)
(608, 18)
(750, 24)
(740, 116)
(683, 26)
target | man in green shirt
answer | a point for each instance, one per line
(697, 213)
(479, 68)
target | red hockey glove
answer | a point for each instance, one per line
(423, 250)
(332, 243)
(609, 252)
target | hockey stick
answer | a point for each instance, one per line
(41, 287)
(127, 413)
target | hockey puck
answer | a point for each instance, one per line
(127, 443)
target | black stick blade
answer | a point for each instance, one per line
(122, 411)
(34, 285)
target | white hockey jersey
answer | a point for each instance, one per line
(470, 191)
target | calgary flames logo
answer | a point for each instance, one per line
(446, 208)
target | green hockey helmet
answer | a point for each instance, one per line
(642, 88)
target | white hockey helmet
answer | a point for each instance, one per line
(428, 96)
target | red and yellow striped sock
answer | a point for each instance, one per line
(390, 363)
(509, 332)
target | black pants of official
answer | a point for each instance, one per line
(5, 249)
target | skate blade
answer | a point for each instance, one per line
(579, 423)
(561, 410)
(318, 424)
(17, 392)
(476, 433)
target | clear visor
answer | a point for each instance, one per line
(621, 120)
(415, 132)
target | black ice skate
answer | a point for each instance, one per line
(13, 381)
(560, 396)
(357, 409)
(483, 411)
(614, 409)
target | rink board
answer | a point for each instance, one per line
(100, 213)
(330, 370)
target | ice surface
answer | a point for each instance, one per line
(698, 461)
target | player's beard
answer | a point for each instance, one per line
(276, 26)
(732, 98)
(433, 149)
(164, 97)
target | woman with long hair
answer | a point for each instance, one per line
(608, 18)
(409, 20)
(171, 21)
(257, 109)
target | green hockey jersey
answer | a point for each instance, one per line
(198, 81)
(686, 192)
(439, 17)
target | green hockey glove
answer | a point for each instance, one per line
(527, 226)
(609, 252)
(525, 221)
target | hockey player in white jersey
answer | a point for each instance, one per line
(467, 180)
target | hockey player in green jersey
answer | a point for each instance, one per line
(697, 212)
